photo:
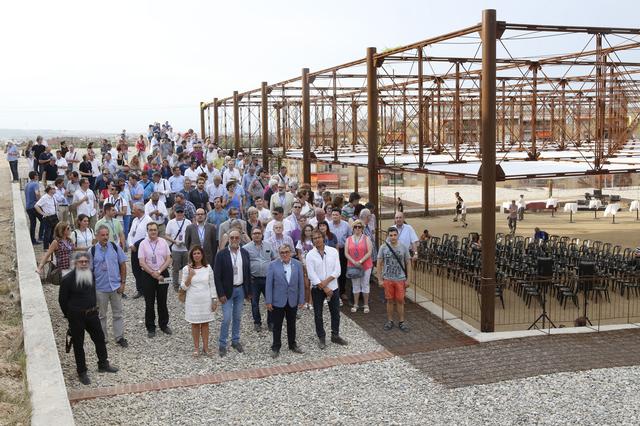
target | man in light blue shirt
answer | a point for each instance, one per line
(110, 272)
(176, 181)
(31, 196)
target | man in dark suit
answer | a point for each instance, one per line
(284, 294)
(202, 234)
(77, 299)
(232, 274)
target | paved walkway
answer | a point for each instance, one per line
(428, 333)
(533, 356)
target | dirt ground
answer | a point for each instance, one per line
(14, 399)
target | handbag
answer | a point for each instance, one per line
(182, 295)
(53, 274)
(354, 272)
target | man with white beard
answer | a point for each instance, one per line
(77, 300)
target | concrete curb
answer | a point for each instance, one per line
(47, 389)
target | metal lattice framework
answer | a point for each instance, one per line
(488, 101)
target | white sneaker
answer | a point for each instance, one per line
(354, 309)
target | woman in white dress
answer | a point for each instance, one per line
(201, 300)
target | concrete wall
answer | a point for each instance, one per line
(47, 389)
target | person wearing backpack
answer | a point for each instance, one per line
(109, 266)
(393, 273)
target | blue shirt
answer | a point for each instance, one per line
(217, 218)
(106, 267)
(30, 194)
(176, 183)
(341, 231)
(12, 153)
(247, 180)
(148, 189)
(137, 190)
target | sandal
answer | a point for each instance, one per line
(366, 309)
(195, 354)
(354, 309)
(404, 327)
(388, 325)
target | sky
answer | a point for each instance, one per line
(121, 64)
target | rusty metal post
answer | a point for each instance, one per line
(488, 142)
(372, 131)
(600, 105)
(236, 122)
(306, 128)
(563, 99)
(426, 194)
(355, 177)
(216, 131)
(553, 121)
(456, 114)
(202, 132)
(404, 121)
(533, 153)
(334, 117)
(264, 127)
(421, 118)
(521, 120)
(503, 114)
(354, 124)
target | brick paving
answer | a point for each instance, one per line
(428, 332)
(520, 358)
(208, 379)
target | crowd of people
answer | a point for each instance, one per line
(215, 227)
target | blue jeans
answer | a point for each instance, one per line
(258, 286)
(232, 311)
(126, 223)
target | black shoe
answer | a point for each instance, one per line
(296, 350)
(35, 243)
(339, 340)
(124, 296)
(322, 344)
(257, 327)
(137, 295)
(222, 352)
(167, 330)
(270, 326)
(275, 354)
(84, 379)
(107, 369)
(404, 327)
(122, 342)
(151, 334)
(388, 325)
(238, 347)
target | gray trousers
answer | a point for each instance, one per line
(115, 299)
(180, 260)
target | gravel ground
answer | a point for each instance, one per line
(166, 357)
(383, 392)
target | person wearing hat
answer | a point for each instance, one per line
(233, 197)
(175, 235)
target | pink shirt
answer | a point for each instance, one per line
(358, 251)
(154, 253)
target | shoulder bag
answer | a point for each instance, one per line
(397, 259)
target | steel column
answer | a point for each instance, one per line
(421, 118)
(533, 154)
(488, 142)
(372, 131)
(264, 126)
(202, 132)
(216, 132)
(306, 128)
(236, 122)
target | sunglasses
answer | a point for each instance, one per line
(357, 227)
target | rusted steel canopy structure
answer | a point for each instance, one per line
(485, 101)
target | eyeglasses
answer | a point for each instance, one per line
(357, 227)
(82, 261)
(234, 238)
(285, 252)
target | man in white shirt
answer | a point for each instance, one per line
(157, 211)
(230, 173)
(192, 173)
(211, 154)
(95, 165)
(137, 233)
(61, 163)
(323, 269)
(216, 189)
(264, 214)
(175, 236)
(84, 201)
(212, 172)
(162, 187)
(46, 206)
(319, 217)
(278, 216)
(406, 234)
(522, 205)
(72, 157)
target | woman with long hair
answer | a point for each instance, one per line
(83, 236)
(329, 238)
(304, 246)
(201, 300)
(61, 247)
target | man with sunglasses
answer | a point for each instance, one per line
(232, 275)
(284, 291)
